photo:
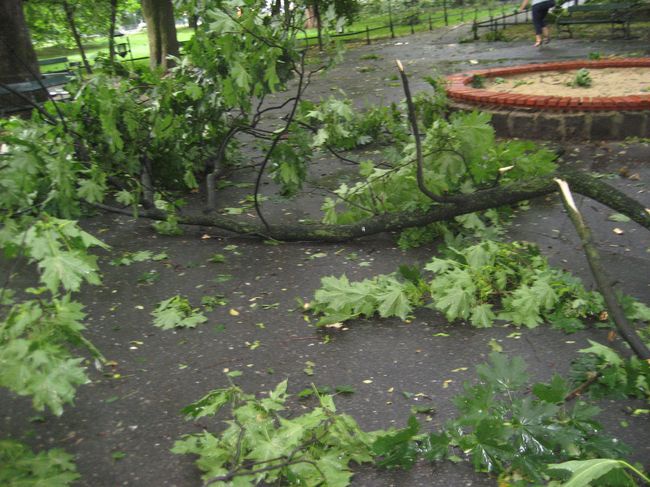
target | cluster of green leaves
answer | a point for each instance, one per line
(503, 430)
(262, 445)
(20, 467)
(614, 375)
(338, 299)
(38, 171)
(339, 125)
(143, 121)
(509, 281)
(459, 155)
(177, 312)
(129, 258)
(478, 283)
(582, 79)
(37, 335)
(335, 124)
(460, 232)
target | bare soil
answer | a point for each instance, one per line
(604, 82)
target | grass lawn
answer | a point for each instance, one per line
(139, 47)
(380, 22)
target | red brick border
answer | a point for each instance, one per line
(460, 89)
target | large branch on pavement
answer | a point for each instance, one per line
(506, 194)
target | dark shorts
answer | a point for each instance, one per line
(539, 14)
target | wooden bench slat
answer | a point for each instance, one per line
(54, 60)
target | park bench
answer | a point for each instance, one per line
(618, 15)
(48, 81)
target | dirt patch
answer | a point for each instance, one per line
(604, 82)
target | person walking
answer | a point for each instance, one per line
(540, 9)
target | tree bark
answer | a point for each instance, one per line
(111, 33)
(161, 32)
(287, 12)
(276, 7)
(318, 25)
(18, 61)
(193, 21)
(17, 57)
(69, 15)
(481, 200)
(600, 275)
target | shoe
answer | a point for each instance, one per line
(547, 40)
(537, 44)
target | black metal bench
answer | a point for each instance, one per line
(15, 97)
(618, 15)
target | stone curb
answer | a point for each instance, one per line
(565, 127)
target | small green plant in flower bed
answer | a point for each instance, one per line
(582, 79)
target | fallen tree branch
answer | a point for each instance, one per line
(506, 194)
(615, 309)
(416, 135)
(591, 379)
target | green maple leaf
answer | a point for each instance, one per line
(393, 301)
(523, 307)
(91, 191)
(605, 353)
(57, 383)
(334, 469)
(176, 312)
(46, 373)
(481, 255)
(211, 403)
(268, 449)
(241, 76)
(503, 374)
(454, 293)
(69, 270)
(339, 294)
(482, 315)
(20, 467)
(553, 392)
(546, 295)
(290, 432)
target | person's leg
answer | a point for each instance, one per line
(538, 23)
(545, 7)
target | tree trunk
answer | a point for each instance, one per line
(69, 15)
(287, 12)
(193, 21)
(161, 32)
(111, 33)
(310, 18)
(18, 61)
(318, 25)
(276, 7)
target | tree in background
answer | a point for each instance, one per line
(161, 32)
(17, 57)
(67, 22)
(345, 9)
